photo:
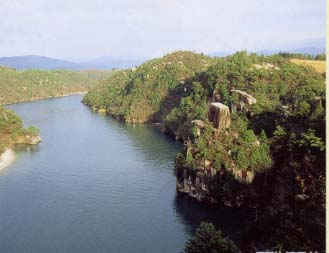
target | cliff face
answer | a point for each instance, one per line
(194, 185)
(211, 186)
(203, 178)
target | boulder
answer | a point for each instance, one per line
(219, 115)
(245, 97)
(302, 197)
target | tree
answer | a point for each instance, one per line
(309, 140)
(303, 108)
(208, 240)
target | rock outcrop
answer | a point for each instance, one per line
(200, 185)
(266, 66)
(245, 97)
(193, 185)
(199, 124)
(28, 139)
(219, 115)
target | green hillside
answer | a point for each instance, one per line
(270, 154)
(17, 86)
(136, 95)
(11, 129)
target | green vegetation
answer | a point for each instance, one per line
(279, 140)
(208, 240)
(138, 95)
(17, 86)
(320, 57)
(11, 128)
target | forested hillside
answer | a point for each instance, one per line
(12, 131)
(17, 86)
(137, 95)
(254, 132)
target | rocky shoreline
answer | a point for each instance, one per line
(8, 156)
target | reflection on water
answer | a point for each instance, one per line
(20, 148)
(95, 184)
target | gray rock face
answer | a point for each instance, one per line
(194, 186)
(219, 115)
(197, 185)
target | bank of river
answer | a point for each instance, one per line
(6, 158)
(96, 185)
(49, 97)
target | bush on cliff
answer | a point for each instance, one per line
(208, 240)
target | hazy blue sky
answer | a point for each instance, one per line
(147, 28)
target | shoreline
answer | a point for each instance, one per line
(47, 97)
(6, 158)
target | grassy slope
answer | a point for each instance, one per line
(319, 66)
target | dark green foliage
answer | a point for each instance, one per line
(208, 240)
(321, 57)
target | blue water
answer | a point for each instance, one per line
(95, 185)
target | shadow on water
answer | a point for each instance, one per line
(144, 136)
(231, 221)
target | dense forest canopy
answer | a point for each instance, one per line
(278, 136)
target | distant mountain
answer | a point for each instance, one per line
(47, 63)
(108, 62)
(37, 62)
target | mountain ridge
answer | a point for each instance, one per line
(25, 62)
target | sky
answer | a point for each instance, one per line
(82, 29)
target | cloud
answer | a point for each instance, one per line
(145, 28)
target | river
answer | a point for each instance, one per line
(96, 185)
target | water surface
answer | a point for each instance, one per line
(95, 185)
